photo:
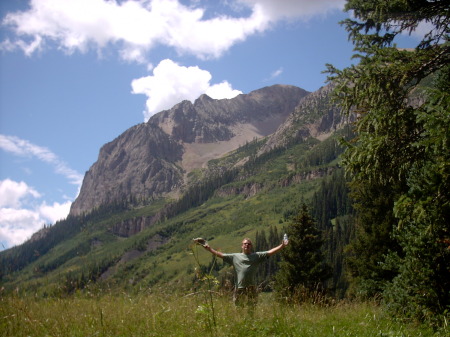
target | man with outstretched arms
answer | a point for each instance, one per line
(245, 265)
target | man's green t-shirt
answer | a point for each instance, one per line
(245, 266)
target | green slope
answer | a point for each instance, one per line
(264, 192)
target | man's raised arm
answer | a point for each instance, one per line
(277, 248)
(213, 251)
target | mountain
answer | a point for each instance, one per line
(153, 159)
(315, 116)
(220, 169)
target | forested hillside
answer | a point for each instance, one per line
(258, 198)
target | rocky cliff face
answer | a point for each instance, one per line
(150, 160)
(140, 163)
(314, 116)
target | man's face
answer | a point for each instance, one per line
(246, 246)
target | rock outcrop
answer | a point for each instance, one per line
(315, 116)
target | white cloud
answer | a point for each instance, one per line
(11, 193)
(276, 73)
(172, 83)
(138, 26)
(288, 9)
(17, 225)
(21, 147)
(222, 90)
(22, 213)
(20, 217)
(55, 212)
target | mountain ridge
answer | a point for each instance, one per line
(151, 160)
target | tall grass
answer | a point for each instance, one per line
(166, 313)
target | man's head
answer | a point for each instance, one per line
(247, 246)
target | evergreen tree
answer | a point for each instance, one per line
(268, 268)
(399, 160)
(302, 266)
(331, 207)
(422, 287)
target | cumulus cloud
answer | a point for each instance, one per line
(55, 211)
(222, 90)
(138, 26)
(21, 213)
(12, 193)
(21, 147)
(17, 225)
(172, 83)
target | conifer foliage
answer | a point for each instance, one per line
(399, 160)
(302, 267)
(267, 269)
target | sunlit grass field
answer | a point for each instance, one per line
(163, 313)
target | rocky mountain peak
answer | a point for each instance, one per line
(152, 159)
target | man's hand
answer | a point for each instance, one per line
(201, 241)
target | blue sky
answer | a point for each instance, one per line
(75, 74)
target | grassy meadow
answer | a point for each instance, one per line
(161, 313)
